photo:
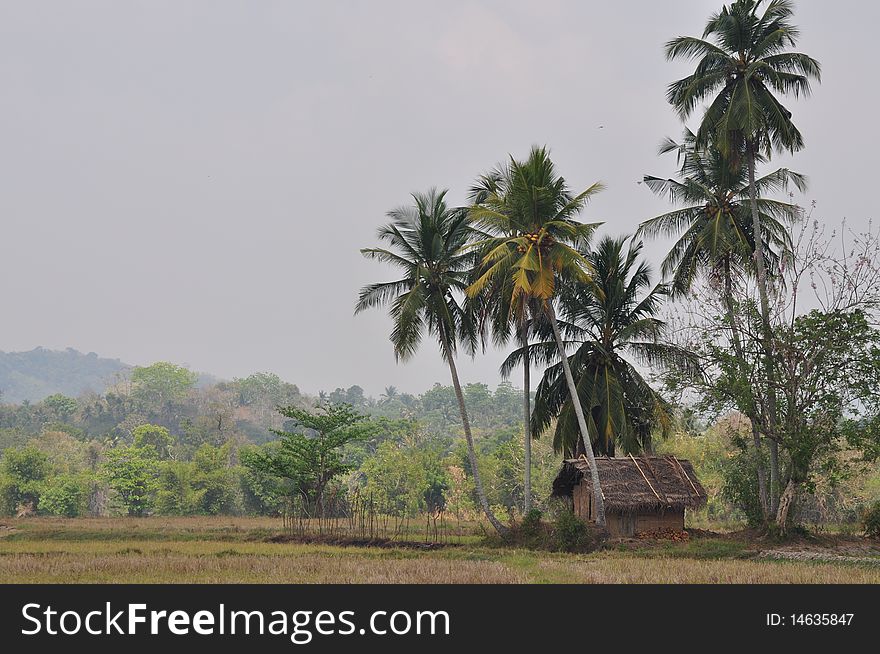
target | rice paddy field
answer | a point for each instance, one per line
(249, 550)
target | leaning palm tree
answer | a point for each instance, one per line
(743, 63)
(610, 325)
(427, 242)
(715, 233)
(533, 240)
(504, 315)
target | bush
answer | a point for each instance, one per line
(531, 523)
(65, 495)
(22, 472)
(741, 487)
(570, 533)
(871, 520)
(8, 495)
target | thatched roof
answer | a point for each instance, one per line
(636, 484)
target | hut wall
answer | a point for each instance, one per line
(625, 525)
(582, 495)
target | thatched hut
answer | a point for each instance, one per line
(641, 494)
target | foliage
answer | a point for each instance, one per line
(527, 214)
(65, 495)
(610, 323)
(133, 474)
(21, 478)
(710, 451)
(263, 493)
(176, 493)
(153, 436)
(570, 533)
(712, 221)
(399, 482)
(311, 455)
(39, 373)
(829, 367)
(871, 520)
(742, 64)
(161, 387)
(741, 486)
(531, 522)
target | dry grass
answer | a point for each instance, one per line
(236, 550)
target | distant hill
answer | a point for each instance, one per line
(39, 373)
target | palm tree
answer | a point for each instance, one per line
(503, 315)
(427, 242)
(743, 62)
(715, 232)
(532, 241)
(610, 321)
(389, 394)
(713, 223)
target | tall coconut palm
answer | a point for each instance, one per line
(533, 242)
(504, 315)
(743, 62)
(610, 324)
(716, 235)
(712, 223)
(427, 243)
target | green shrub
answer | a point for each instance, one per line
(65, 495)
(8, 495)
(570, 533)
(740, 487)
(531, 522)
(23, 471)
(871, 520)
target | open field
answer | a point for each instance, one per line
(233, 550)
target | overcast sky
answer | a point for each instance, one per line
(191, 181)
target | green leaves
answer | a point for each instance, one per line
(714, 226)
(310, 455)
(741, 62)
(529, 213)
(609, 317)
(133, 474)
(428, 244)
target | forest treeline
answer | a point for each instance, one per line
(159, 443)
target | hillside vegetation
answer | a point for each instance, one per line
(35, 375)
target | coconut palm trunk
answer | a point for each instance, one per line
(472, 454)
(598, 499)
(527, 416)
(767, 330)
(738, 349)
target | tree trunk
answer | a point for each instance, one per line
(527, 416)
(598, 499)
(472, 454)
(763, 493)
(767, 331)
(785, 503)
(774, 478)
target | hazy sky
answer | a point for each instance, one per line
(191, 181)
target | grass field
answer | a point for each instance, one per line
(241, 550)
